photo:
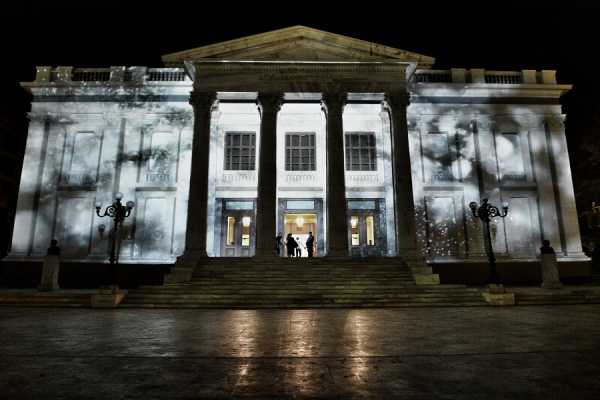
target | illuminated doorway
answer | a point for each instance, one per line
(238, 228)
(299, 216)
(366, 234)
(299, 225)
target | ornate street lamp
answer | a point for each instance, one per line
(118, 212)
(486, 212)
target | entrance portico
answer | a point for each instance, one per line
(270, 84)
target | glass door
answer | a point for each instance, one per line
(238, 232)
(363, 236)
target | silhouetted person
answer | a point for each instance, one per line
(291, 245)
(298, 249)
(546, 248)
(310, 244)
(278, 243)
(53, 250)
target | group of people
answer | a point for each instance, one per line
(293, 246)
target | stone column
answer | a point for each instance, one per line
(404, 206)
(195, 235)
(266, 199)
(337, 220)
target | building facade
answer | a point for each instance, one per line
(293, 131)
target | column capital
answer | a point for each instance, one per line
(396, 99)
(332, 102)
(202, 100)
(269, 102)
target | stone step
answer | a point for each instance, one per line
(353, 264)
(306, 260)
(307, 299)
(299, 306)
(301, 268)
(555, 302)
(299, 291)
(268, 296)
(581, 297)
(271, 283)
(298, 279)
(45, 300)
(292, 274)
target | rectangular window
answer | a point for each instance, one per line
(510, 156)
(362, 205)
(355, 230)
(239, 205)
(230, 231)
(361, 151)
(300, 205)
(240, 149)
(438, 156)
(370, 222)
(300, 151)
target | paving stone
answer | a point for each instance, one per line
(448, 353)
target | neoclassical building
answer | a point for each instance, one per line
(292, 131)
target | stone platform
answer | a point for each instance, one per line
(410, 353)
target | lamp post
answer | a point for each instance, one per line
(487, 212)
(118, 212)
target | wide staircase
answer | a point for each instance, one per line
(302, 283)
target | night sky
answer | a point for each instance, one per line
(510, 35)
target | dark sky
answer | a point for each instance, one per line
(509, 35)
(501, 35)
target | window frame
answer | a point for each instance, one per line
(229, 147)
(311, 164)
(370, 149)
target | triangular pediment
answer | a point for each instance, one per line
(297, 43)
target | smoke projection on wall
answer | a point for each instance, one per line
(82, 152)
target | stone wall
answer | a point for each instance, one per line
(472, 134)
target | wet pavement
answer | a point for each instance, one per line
(549, 352)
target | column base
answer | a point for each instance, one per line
(184, 267)
(272, 253)
(108, 297)
(496, 295)
(338, 253)
(422, 272)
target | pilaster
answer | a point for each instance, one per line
(31, 175)
(563, 183)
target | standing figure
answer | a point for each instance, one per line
(550, 277)
(50, 269)
(310, 244)
(298, 249)
(291, 245)
(278, 244)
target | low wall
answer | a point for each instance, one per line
(510, 272)
(77, 275)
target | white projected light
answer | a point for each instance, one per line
(246, 221)
(299, 222)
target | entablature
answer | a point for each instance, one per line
(302, 76)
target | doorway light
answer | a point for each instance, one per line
(246, 221)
